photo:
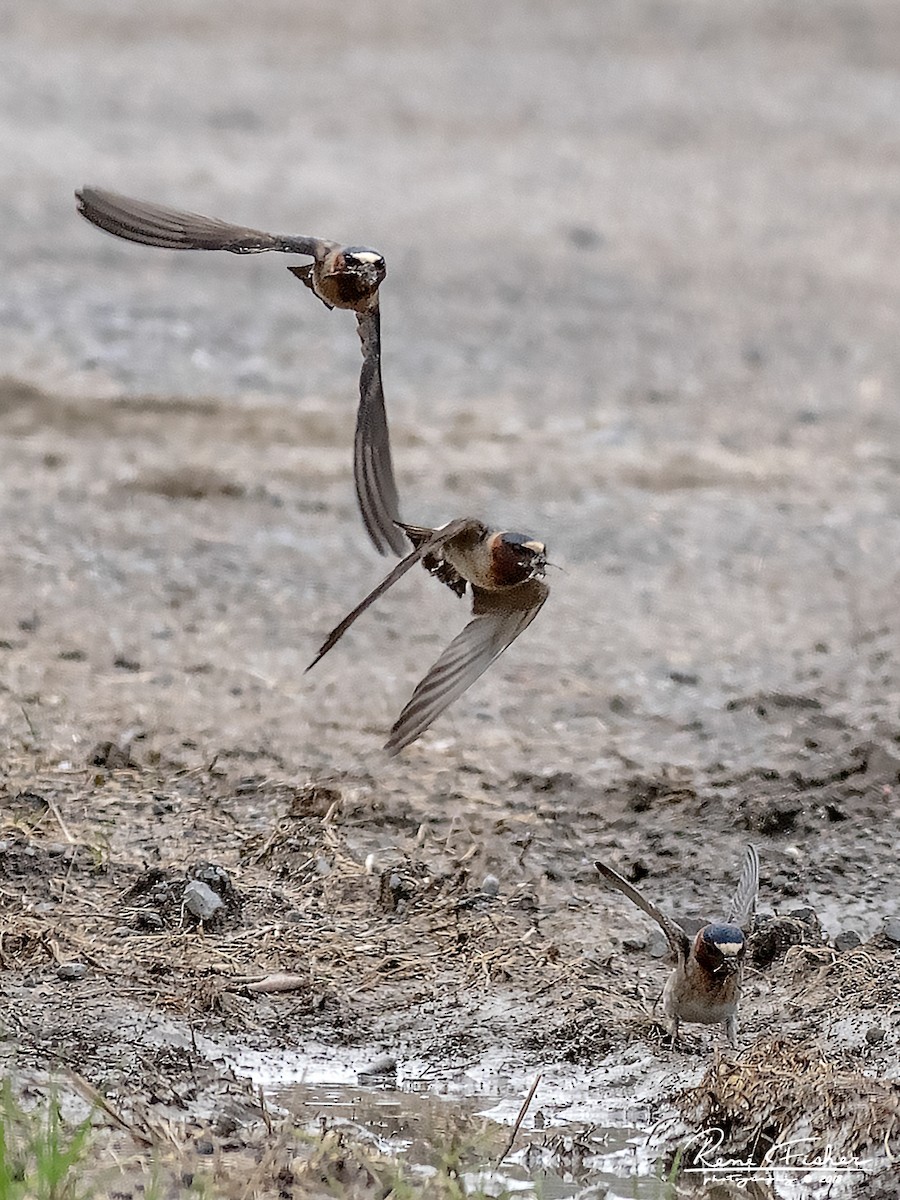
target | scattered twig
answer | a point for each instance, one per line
(279, 982)
(526, 1103)
(51, 804)
(264, 1109)
(90, 1093)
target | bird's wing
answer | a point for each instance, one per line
(743, 903)
(676, 937)
(499, 618)
(439, 536)
(417, 534)
(373, 471)
(155, 225)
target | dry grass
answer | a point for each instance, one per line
(779, 1094)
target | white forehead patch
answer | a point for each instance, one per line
(367, 256)
(729, 949)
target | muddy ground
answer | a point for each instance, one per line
(642, 300)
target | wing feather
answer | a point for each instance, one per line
(373, 470)
(172, 229)
(678, 940)
(743, 903)
(439, 536)
(499, 619)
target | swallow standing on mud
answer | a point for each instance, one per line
(505, 574)
(705, 982)
(341, 277)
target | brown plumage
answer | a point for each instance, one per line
(704, 985)
(504, 572)
(341, 277)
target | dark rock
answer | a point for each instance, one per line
(634, 944)
(772, 937)
(111, 756)
(848, 939)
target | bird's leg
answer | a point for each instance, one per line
(731, 1031)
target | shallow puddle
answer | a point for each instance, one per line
(570, 1142)
(432, 1128)
(582, 1135)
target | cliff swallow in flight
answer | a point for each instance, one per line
(505, 574)
(705, 982)
(341, 277)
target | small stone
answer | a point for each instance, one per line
(806, 915)
(147, 919)
(56, 849)
(71, 970)
(490, 885)
(201, 900)
(382, 1068)
(891, 929)
(659, 947)
(847, 940)
(875, 1035)
(634, 944)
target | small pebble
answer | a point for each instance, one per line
(71, 970)
(201, 900)
(633, 944)
(806, 915)
(147, 919)
(659, 947)
(380, 1069)
(875, 1035)
(892, 929)
(490, 885)
(847, 940)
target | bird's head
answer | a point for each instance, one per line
(720, 949)
(367, 265)
(517, 557)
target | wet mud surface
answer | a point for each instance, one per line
(642, 302)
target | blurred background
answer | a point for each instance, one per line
(641, 300)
